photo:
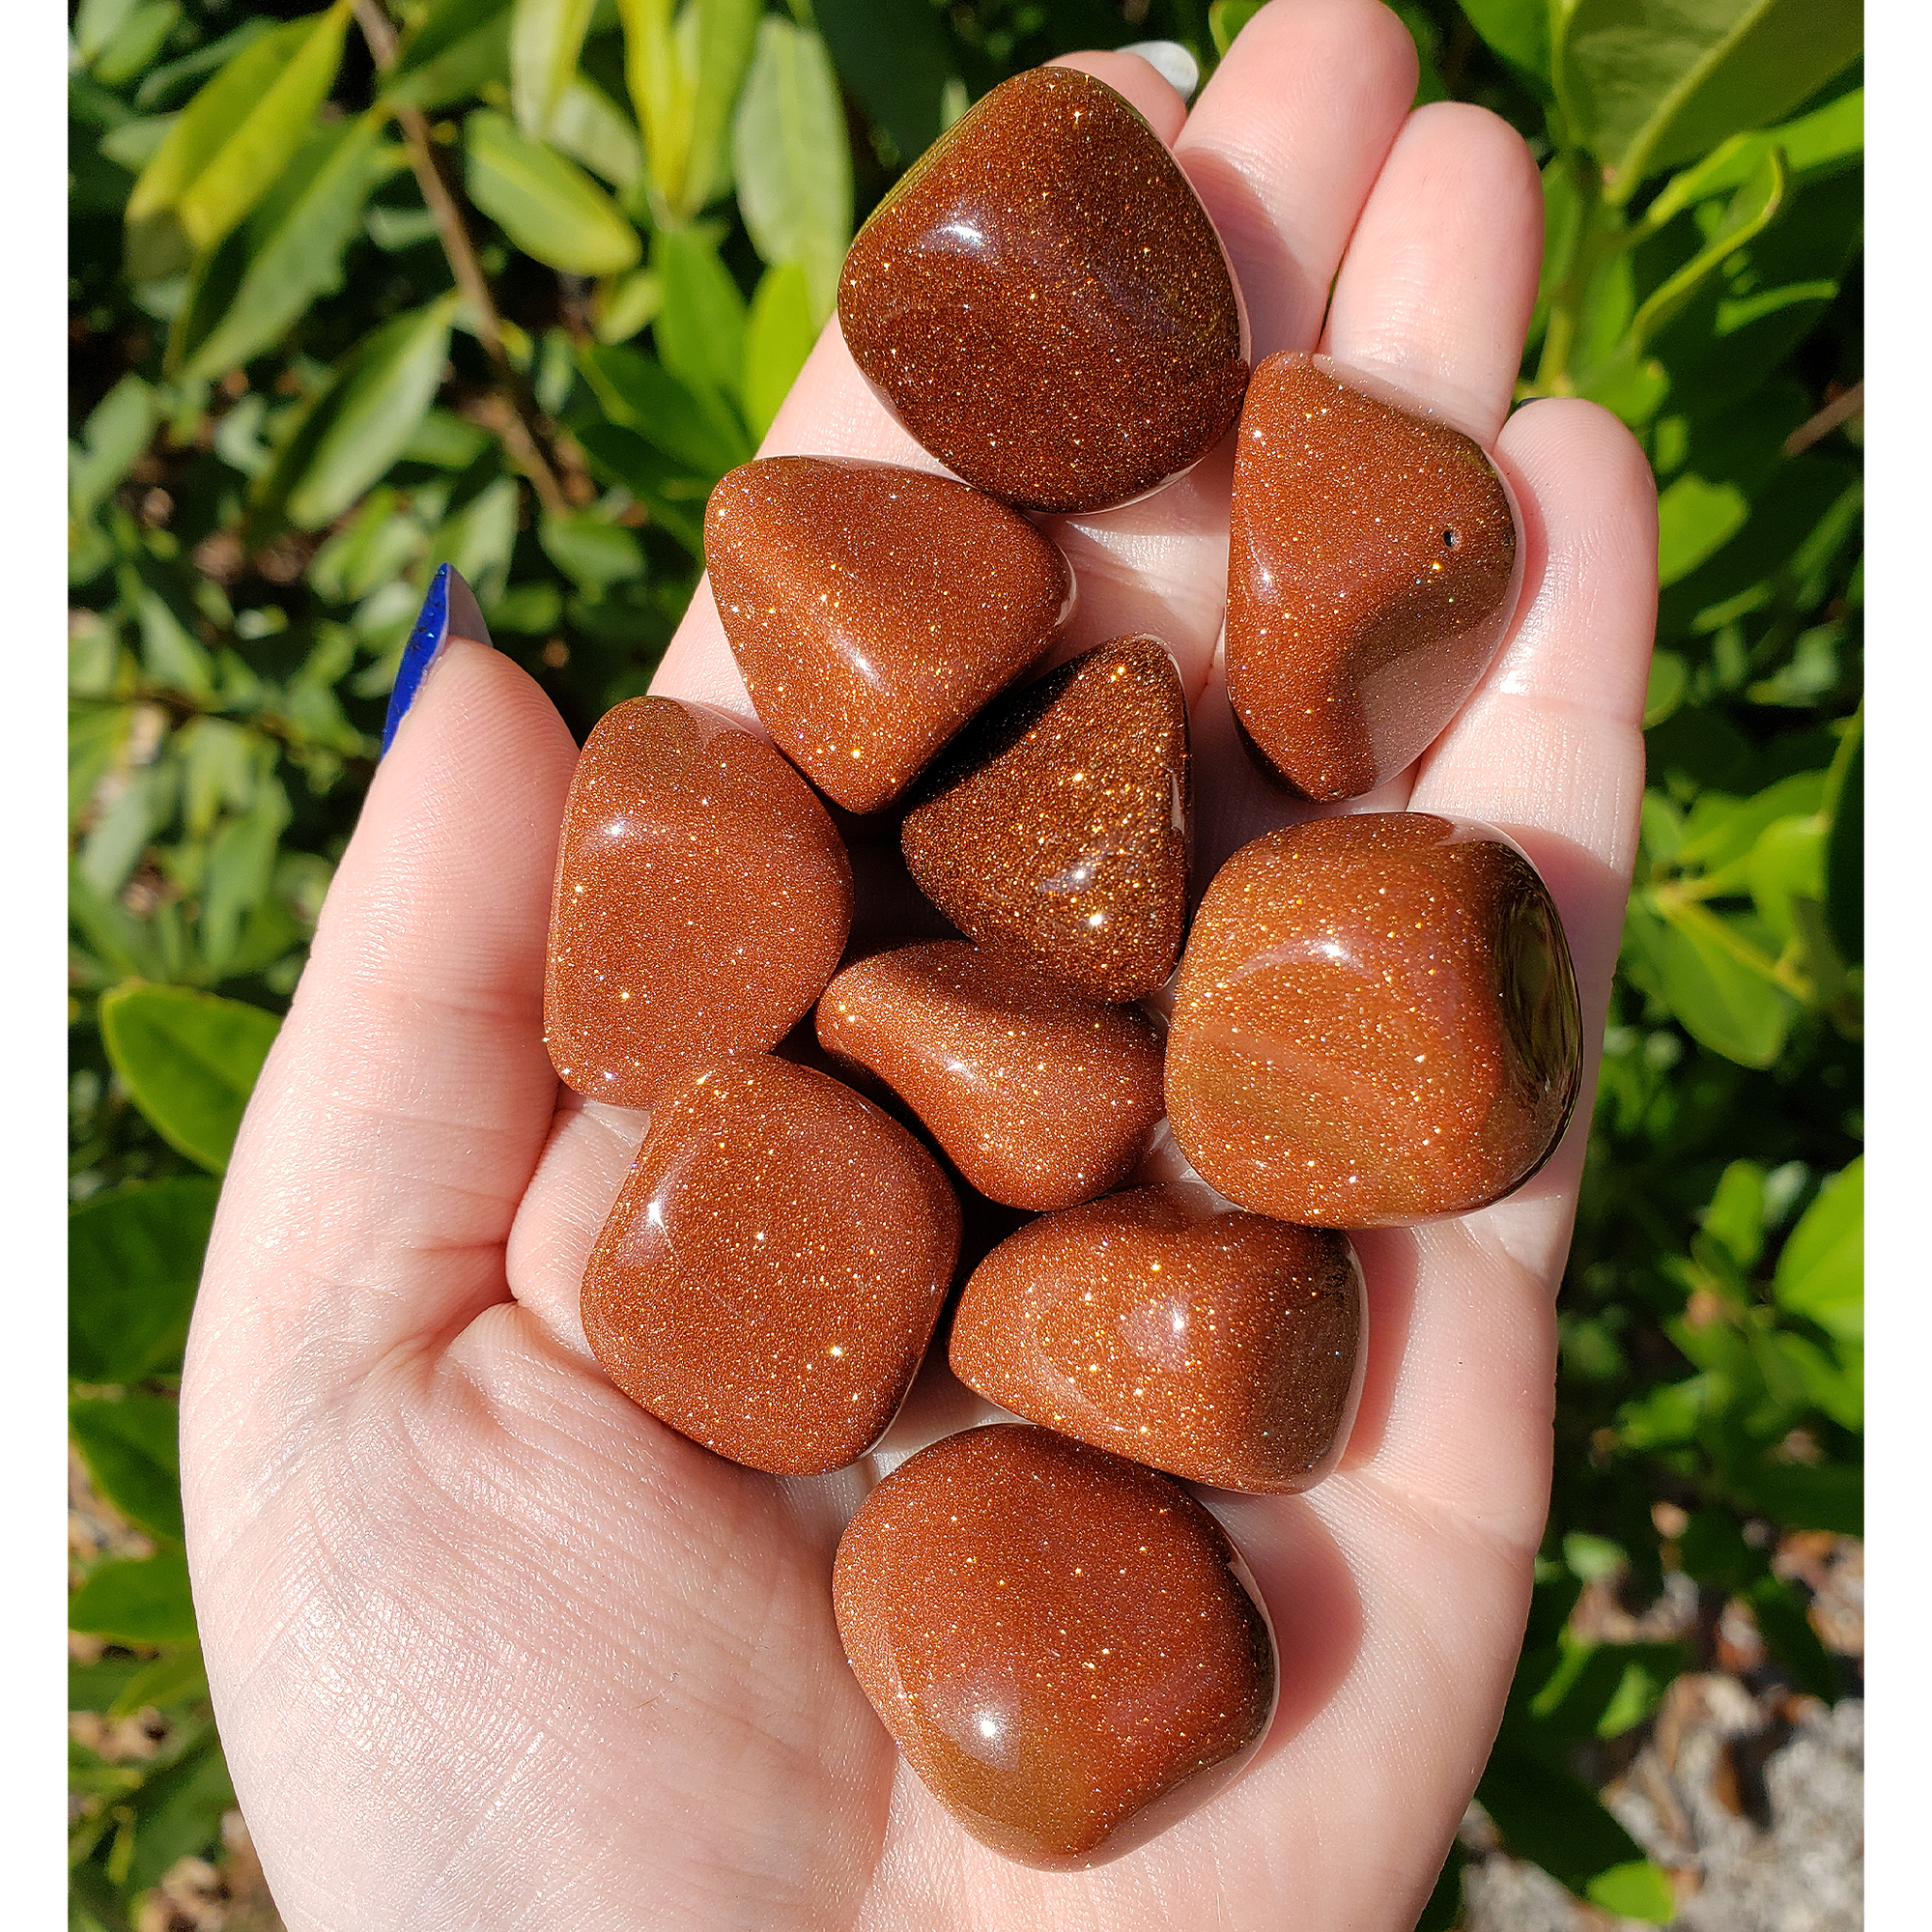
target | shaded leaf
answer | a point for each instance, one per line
(143, 1601)
(1821, 1273)
(700, 320)
(132, 1451)
(134, 1259)
(1227, 17)
(1694, 965)
(1517, 29)
(779, 338)
(895, 57)
(641, 394)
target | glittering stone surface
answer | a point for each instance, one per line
(873, 609)
(1044, 301)
(1062, 1644)
(1371, 576)
(703, 900)
(775, 1264)
(1377, 1021)
(1167, 1326)
(1056, 828)
(1040, 1097)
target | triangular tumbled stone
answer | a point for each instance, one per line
(873, 609)
(1056, 829)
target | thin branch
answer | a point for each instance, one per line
(1839, 410)
(525, 431)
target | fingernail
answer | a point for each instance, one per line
(449, 610)
(1171, 61)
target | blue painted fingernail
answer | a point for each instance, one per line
(450, 610)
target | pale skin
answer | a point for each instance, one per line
(489, 1646)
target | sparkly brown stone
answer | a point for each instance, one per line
(873, 609)
(775, 1264)
(1371, 576)
(703, 900)
(1167, 1326)
(1377, 1021)
(1056, 828)
(1040, 1097)
(1066, 1646)
(1044, 302)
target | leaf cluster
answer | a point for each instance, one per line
(358, 289)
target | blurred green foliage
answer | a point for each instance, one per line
(511, 283)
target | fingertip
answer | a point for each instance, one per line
(1142, 82)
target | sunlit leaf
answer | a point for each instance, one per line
(545, 203)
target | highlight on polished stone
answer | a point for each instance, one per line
(1377, 1021)
(1054, 829)
(771, 1273)
(1372, 572)
(703, 900)
(1167, 1327)
(1044, 303)
(1041, 1098)
(873, 609)
(1066, 1646)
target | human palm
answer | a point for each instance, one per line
(491, 1646)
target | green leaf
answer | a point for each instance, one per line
(1552, 1818)
(794, 170)
(1517, 29)
(1798, 1495)
(134, 1259)
(1651, 84)
(145, 1601)
(1751, 209)
(895, 57)
(131, 1450)
(113, 439)
(592, 552)
(1664, 692)
(246, 296)
(1699, 967)
(178, 1808)
(461, 47)
(624, 304)
(137, 41)
(178, 1677)
(1787, 1630)
(674, 497)
(779, 338)
(700, 320)
(362, 422)
(1736, 1214)
(1227, 17)
(169, 85)
(1638, 1890)
(545, 39)
(188, 1061)
(684, 77)
(641, 394)
(547, 206)
(589, 126)
(1845, 860)
(1786, 863)
(1815, 146)
(231, 143)
(1821, 1273)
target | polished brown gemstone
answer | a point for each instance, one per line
(1054, 829)
(1371, 575)
(1165, 1325)
(1040, 1097)
(703, 900)
(771, 1273)
(1066, 1646)
(1377, 1021)
(873, 609)
(1044, 302)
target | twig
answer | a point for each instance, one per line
(525, 431)
(1839, 410)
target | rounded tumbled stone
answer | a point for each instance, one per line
(1044, 303)
(1377, 1021)
(770, 1275)
(1167, 1326)
(1066, 1646)
(703, 899)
